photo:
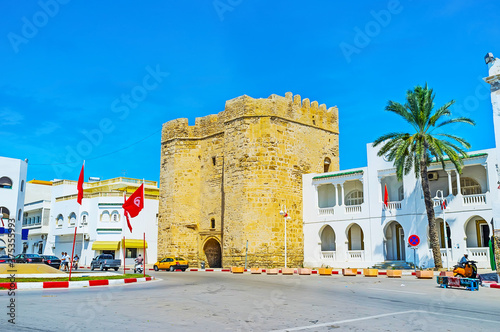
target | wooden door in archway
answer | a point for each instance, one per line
(213, 253)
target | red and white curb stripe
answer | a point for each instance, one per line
(491, 284)
(71, 284)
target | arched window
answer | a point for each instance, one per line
(59, 220)
(355, 197)
(19, 214)
(22, 185)
(401, 193)
(326, 165)
(212, 223)
(468, 186)
(5, 182)
(72, 218)
(105, 216)
(115, 216)
(84, 218)
(4, 212)
(328, 239)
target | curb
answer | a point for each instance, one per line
(491, 285)
(71, 284)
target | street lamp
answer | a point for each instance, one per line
(440, 198)
(285, 215)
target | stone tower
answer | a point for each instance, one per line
(224, 180)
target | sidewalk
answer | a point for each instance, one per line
(71, 284)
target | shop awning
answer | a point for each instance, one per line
(106, 245)
(132, 243)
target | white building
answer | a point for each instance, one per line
(347, 225)
(36, 215)
(100, 222)
(12, 190)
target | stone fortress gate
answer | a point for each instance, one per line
(224, 180)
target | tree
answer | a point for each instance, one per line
(416, 150)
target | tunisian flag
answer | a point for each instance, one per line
(134, 204)
(386, 197)
(79, 186)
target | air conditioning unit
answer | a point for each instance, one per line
(432, 176)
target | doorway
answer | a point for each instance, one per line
(212, 251)
(395, 242)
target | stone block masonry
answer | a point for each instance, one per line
(224, 180)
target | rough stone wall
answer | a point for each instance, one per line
(261, 149)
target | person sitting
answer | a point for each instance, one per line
(139, 260)
(464, 260)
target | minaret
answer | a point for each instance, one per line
(494, 80)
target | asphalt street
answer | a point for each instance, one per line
(221, 301)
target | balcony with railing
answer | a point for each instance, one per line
(352, 209)
(478, 199)
(328, 255)
(396, 205)
(355, 255)
(326, 211)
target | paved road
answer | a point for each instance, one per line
(205, 301)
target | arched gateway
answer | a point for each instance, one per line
(213, 251)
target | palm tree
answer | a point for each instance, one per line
(416, 150)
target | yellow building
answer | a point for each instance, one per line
(224, 180)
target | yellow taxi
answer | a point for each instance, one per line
(171, 263)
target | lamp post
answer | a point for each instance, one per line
(440, 198)
(285, 215)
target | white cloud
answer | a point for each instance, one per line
(46, 128)
(10, 118)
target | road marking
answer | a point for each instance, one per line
(347, 321)
(380, 316)
(398, 291)
(462, 317)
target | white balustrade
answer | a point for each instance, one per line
(330, 255)
(474, 199)
(353, 209)
(355, 255)
(394, 205)
(325, 211)
(479, 254)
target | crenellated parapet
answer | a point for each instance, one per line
(290, 107)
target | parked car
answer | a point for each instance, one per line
(52, 261)
(5, 259)
(105, 262)
(171, 263)
(28, 258)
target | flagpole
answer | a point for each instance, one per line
(144, 246)
(144, 233)
(123, 255)
(72, 253)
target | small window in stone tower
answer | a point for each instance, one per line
(326, 164)
(213, 160)
(212, 223)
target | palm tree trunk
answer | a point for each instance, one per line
(429, 206)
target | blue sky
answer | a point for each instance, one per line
(95, 80)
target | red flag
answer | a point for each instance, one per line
(443, 205)
(134, 204)
(386, 197)
(79, 186)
